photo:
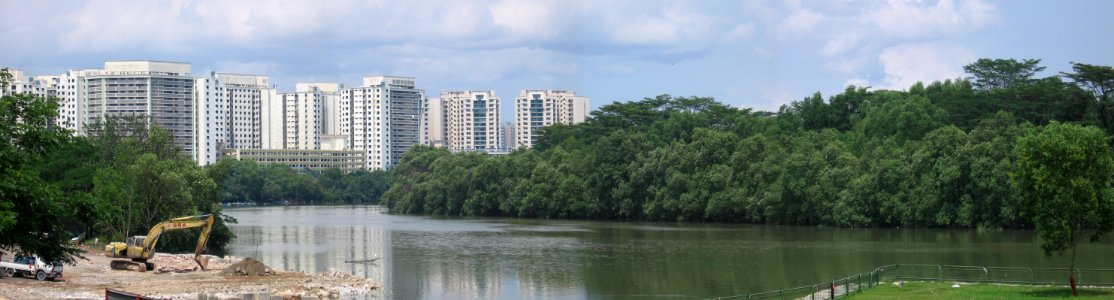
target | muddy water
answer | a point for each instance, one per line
(440, 258)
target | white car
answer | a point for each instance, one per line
(29, 265)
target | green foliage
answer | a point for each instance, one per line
(992, 74)
(1099, 80)
(1064, 174)
(31, 211)
(919, 290)
(938, 155)
(141, 178)
(261, 184)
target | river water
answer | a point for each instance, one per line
(455, 258)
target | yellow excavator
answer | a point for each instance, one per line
(141, 248)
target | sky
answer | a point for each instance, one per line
(749, 54)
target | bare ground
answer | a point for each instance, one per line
(89, 278)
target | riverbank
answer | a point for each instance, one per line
(945, 290)
(89, 278)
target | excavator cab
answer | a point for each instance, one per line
(136, 241)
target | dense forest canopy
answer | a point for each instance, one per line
(936, 155)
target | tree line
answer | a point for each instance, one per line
(261, 184)
(936, 155)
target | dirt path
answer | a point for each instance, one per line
(91, 276)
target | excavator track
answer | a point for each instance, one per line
(131, 265)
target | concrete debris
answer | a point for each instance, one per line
(248, 267)
(180, 278)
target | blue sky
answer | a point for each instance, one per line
(755, 54)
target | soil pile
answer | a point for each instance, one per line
(248, 267)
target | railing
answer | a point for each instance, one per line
(974, 274)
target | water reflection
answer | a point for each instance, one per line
(294, 238)
(438, 258)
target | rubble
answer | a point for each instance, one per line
(248, 267)
(176, 278)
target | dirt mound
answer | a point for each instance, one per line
(248, 267)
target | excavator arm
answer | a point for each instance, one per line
(146, 249)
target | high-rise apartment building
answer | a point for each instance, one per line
(535, 109)
(382, 118)
(465, 121)
(244, 95)
(507, 141)
(22, 84)
(433, 123)
(212, 115)
(71, 99)
(161, 92)
(302, 117)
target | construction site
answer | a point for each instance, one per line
(178, 276)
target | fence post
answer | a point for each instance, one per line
(779, 295)
(1032, 276)
(832, 289)
(847, 286)
(941, 276)
(985, 274)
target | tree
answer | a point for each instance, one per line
(1100, 81)
(991, 74)
(31, 210)
(1064, 175)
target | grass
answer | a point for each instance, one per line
(944, 290)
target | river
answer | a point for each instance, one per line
(461, 258)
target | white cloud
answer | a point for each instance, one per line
(841, 43)
(773, 98)
(126, 24)
(477, 68)
(909, 19)
(738, 33)
(247, 67)
(801, 21)
(907, 64)
(674, 26)
(847, 65)
(858, 82)
(528, 19)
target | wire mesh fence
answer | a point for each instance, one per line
(921, 272)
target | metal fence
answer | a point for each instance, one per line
(973, 274)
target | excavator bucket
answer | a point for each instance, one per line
(202, 261)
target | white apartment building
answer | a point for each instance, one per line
(162, 92)
(211, 115)
(71, 99)
(302, 118)
(244, 95)
(272, 127)
(212, 120)
(330, 104)
(507, 141)
(464, 121)
(20, 83)
(535, 109)
(382, 118)
(433, 123)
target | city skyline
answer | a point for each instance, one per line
(744, 53)
(318, 125)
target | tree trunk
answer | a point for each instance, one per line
(1071, 271)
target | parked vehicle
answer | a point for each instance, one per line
(30, 265)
